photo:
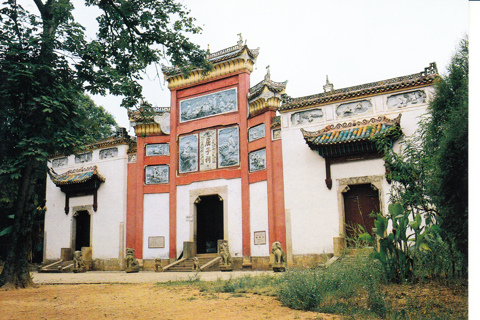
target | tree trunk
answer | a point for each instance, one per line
(15, 272)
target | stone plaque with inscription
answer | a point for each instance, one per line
(156, 242)
(208, 150)
(260, 237)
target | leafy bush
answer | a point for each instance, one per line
(324, 289)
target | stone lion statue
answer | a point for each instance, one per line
(196, 264)
(226, 264)
(78, 263)
(131, 264)
(279, 257)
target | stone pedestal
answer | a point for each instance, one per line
(188, 249)
(66, 254)
(87, 257)
(339, 245)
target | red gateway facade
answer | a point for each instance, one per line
(219, 129)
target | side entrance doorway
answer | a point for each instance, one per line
(209, 226)
(82, 230)
(359, 203)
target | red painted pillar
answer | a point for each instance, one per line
(173, 174)
(139, 178)
(243, 87)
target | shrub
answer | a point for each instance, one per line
(322, 289)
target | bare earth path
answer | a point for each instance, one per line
(117, 295)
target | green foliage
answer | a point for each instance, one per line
(397, 249)
(46, 64)
(446, 140)
(327, 290)
(430, 184)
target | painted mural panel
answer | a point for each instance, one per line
(354, 108)
(208, 105)
(208, 150)
(108, 153)
(84, 157)
(157, 149)
(188, 153)
(308, 116)
(156, 174)
(60, 162)
(403, 100)
(256, 132)
(228, 147)
(257, 160)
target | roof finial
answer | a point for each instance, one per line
(240, 40)
(328, 87)
(267, 76)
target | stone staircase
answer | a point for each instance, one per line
(58, 266)
(207, 262)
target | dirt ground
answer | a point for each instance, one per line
(140, 301)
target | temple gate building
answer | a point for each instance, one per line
(245, 164)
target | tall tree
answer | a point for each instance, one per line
(446, 140)
(46, 63)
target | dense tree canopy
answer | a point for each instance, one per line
(46, 64)
(446, 140)
(430, 174)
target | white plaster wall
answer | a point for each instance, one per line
(314, 209)
(156, 213)
(314, 221)
(232, 213)
(259, 217)
(105, 237)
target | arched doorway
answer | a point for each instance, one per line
(360, 201)
(82, 229)
(209, 226)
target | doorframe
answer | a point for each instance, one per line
(222, 192)
(375, 180)
(76, 210)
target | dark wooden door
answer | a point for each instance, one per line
(82, 232)
(209, 223)
(360, 201)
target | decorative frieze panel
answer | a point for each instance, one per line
(208, 150)
(156, 174)
(157, 149)
(257, 132)
(305, 117)
(354, 108)
(276, 134)
(188, 153)
(209, 105)
(108, 153)
(84, 157)
(132, 158)
(228, 147)
(257, 160)
(403, 100)
(60, 162)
